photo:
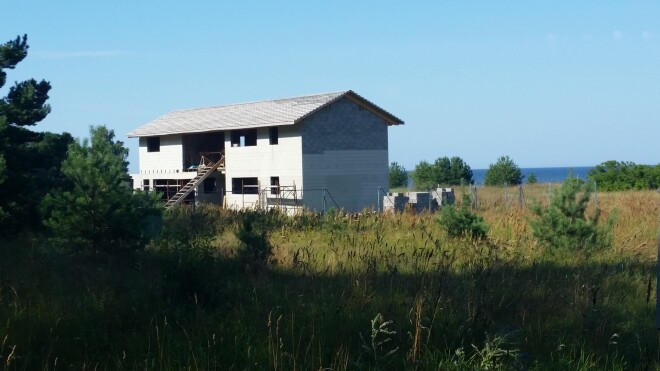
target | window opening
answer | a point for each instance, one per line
(275, 185)
(209, 185)
(247, 186)
(244, 138)
(153, 144)
(273, 135)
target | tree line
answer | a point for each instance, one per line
(444, 171)
(72, 191)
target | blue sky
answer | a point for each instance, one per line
(549, 83)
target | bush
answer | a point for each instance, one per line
(461, 221)
(563, 224)
(503, 172)
(531, 179)
(253, 229)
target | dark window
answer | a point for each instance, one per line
(153, 144)
(145, 184)
(244, 138)
(274, 185)
(273, 135)
(248, 186)
(209, 185)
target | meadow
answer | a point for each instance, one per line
(340, 292)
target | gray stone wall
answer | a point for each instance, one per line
(344, 125)
(344, 151)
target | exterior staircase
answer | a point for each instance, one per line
(202, 173)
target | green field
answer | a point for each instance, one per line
(340, 292)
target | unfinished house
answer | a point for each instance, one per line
(315, 151)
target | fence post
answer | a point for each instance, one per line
(475, 196)
(595, 194)
(520, 195)
(378, 199)
(323, 202)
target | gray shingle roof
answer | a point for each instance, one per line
(250, 115)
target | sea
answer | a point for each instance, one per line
(543, 174)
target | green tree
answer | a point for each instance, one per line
(503, 172)
(531, 179)
(29, 161)
(564, 223)
(398, 176)
(443, 171)
(100, 211)
(460, 221)
(622, 175)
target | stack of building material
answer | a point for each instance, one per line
(395, 202)
(421, 201)
(444, 196)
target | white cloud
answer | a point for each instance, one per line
(80, 54)
(617, 35)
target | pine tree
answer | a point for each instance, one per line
(503, 172)
(99, 211)
(29, 161)
(398, 176)
(564, 223)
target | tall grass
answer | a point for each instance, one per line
(339, 292)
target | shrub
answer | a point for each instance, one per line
(503, 172)
(461, 221)
(531, 179)
(564, 224)
(253, 229)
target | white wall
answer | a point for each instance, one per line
(168, 160)
(263, 161)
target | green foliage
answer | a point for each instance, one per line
(191, 230)
(100, 211)
(253, 229)
(30, 160)
(531, 179)
(459, 222)
(443, 171)
(446, 304)
(398, 176)
(564, 223)
(621, 176)
(503, 172)
(496, 354)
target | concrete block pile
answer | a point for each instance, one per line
(418, 201)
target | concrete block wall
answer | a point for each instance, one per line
(344, 148)
(418, 201)
(395, 202)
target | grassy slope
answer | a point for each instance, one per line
(452, 303)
